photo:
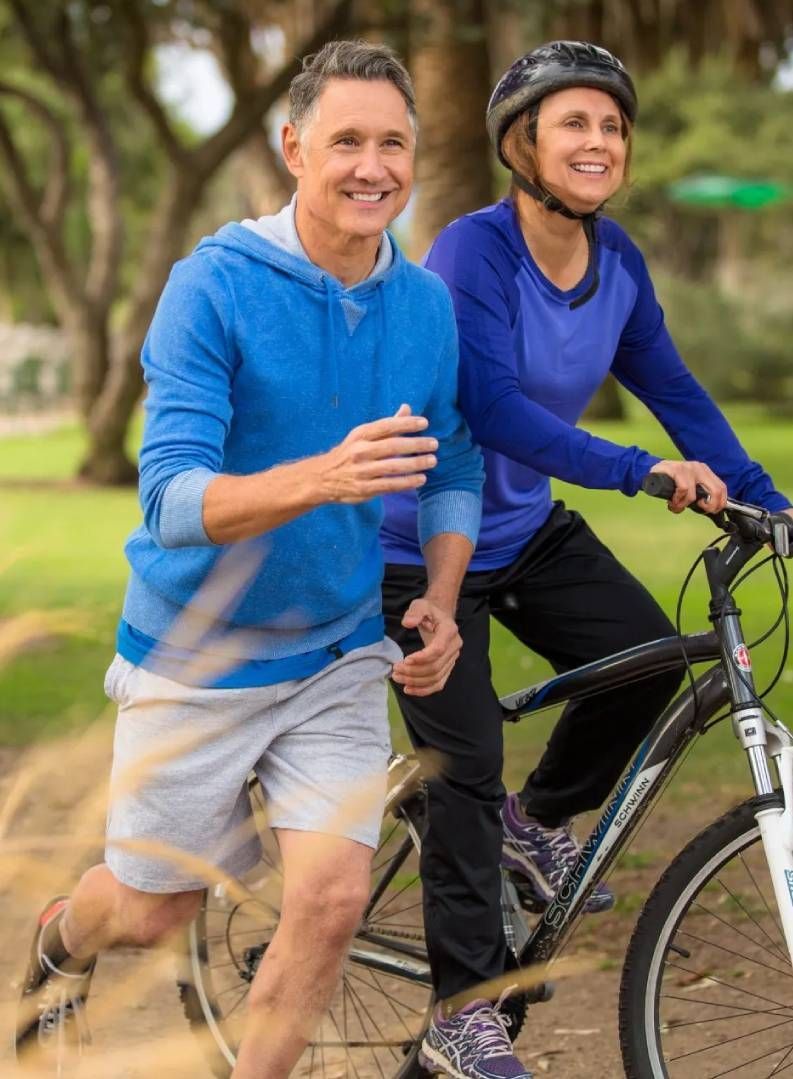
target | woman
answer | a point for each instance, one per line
(549, 298)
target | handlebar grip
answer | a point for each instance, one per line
(659, 485)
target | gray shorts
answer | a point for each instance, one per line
(182, 756)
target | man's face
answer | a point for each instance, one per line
(354, 157)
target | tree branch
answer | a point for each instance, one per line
(233, 45)
(46, 237)
(53, 200)
(135, 56)
(102, 201)
(35, 40)
(253, 105)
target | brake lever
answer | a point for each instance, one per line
(781, 538)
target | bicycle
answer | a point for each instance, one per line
(725, 900)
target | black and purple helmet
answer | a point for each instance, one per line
(556, 66)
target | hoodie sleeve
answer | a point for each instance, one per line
(451, 499)
(188, 368)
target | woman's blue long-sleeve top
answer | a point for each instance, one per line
(531, 360)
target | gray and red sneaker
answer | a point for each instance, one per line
(51, 1030)
(542, 856)
(471, 1044)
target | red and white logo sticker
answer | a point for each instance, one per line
(741, 656)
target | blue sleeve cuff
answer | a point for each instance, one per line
(449, 511)
(181, 518)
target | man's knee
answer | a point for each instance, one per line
(334, 905)
(148, 919)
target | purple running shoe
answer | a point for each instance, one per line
(542, 856)
(471, 1044)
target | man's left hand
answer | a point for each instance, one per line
(426, 671)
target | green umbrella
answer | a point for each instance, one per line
(723, 192)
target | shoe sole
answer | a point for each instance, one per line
(431, 1061)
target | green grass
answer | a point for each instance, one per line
(62, 548)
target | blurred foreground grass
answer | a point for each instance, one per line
(62, 549)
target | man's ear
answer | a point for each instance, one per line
(292, 150)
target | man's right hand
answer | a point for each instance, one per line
(374, 459)
(377, 458)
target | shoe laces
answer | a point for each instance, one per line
(488, 1029)
(553, 849)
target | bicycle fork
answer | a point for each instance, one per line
(762, 739)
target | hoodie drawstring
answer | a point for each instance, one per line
(381, 365)
(333, 358)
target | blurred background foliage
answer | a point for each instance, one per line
(105, 183)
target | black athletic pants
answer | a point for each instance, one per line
(567, 598)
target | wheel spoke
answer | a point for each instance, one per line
(779, 1067)
(754, 1060)
(360, 978)
(354, 999)
(378, 987)
(396, 895)
(716, 917)
(779, 947)
(732, 951)
(726, 985)
(729, 1041)
(763, 900)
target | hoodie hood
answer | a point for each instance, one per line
(281, 229)
(274, 239)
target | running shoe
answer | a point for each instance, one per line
(471, 1044)
(541, 857)
(50, 1027)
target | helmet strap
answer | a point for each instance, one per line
(550, 201)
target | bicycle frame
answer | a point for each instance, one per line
(724, 685)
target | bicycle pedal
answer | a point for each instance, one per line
(542, 993)
(527, 897)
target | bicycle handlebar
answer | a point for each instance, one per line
(754, 524)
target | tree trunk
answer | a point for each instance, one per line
(452, 77)
(265, 184)
(106, 460)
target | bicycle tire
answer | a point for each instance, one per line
(207, 1014)
(691, 1004)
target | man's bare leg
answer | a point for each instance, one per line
(326, 886)
(104, 913)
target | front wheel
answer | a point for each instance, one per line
(707, 987)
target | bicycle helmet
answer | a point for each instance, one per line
(557, 65)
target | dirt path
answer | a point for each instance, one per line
(137, 1022)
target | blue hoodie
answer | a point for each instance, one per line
(256, 357)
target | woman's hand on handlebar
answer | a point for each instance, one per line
(687, 474)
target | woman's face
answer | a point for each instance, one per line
(580, 146)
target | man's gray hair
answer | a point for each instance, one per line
(346, 60)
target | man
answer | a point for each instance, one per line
(298, 368)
